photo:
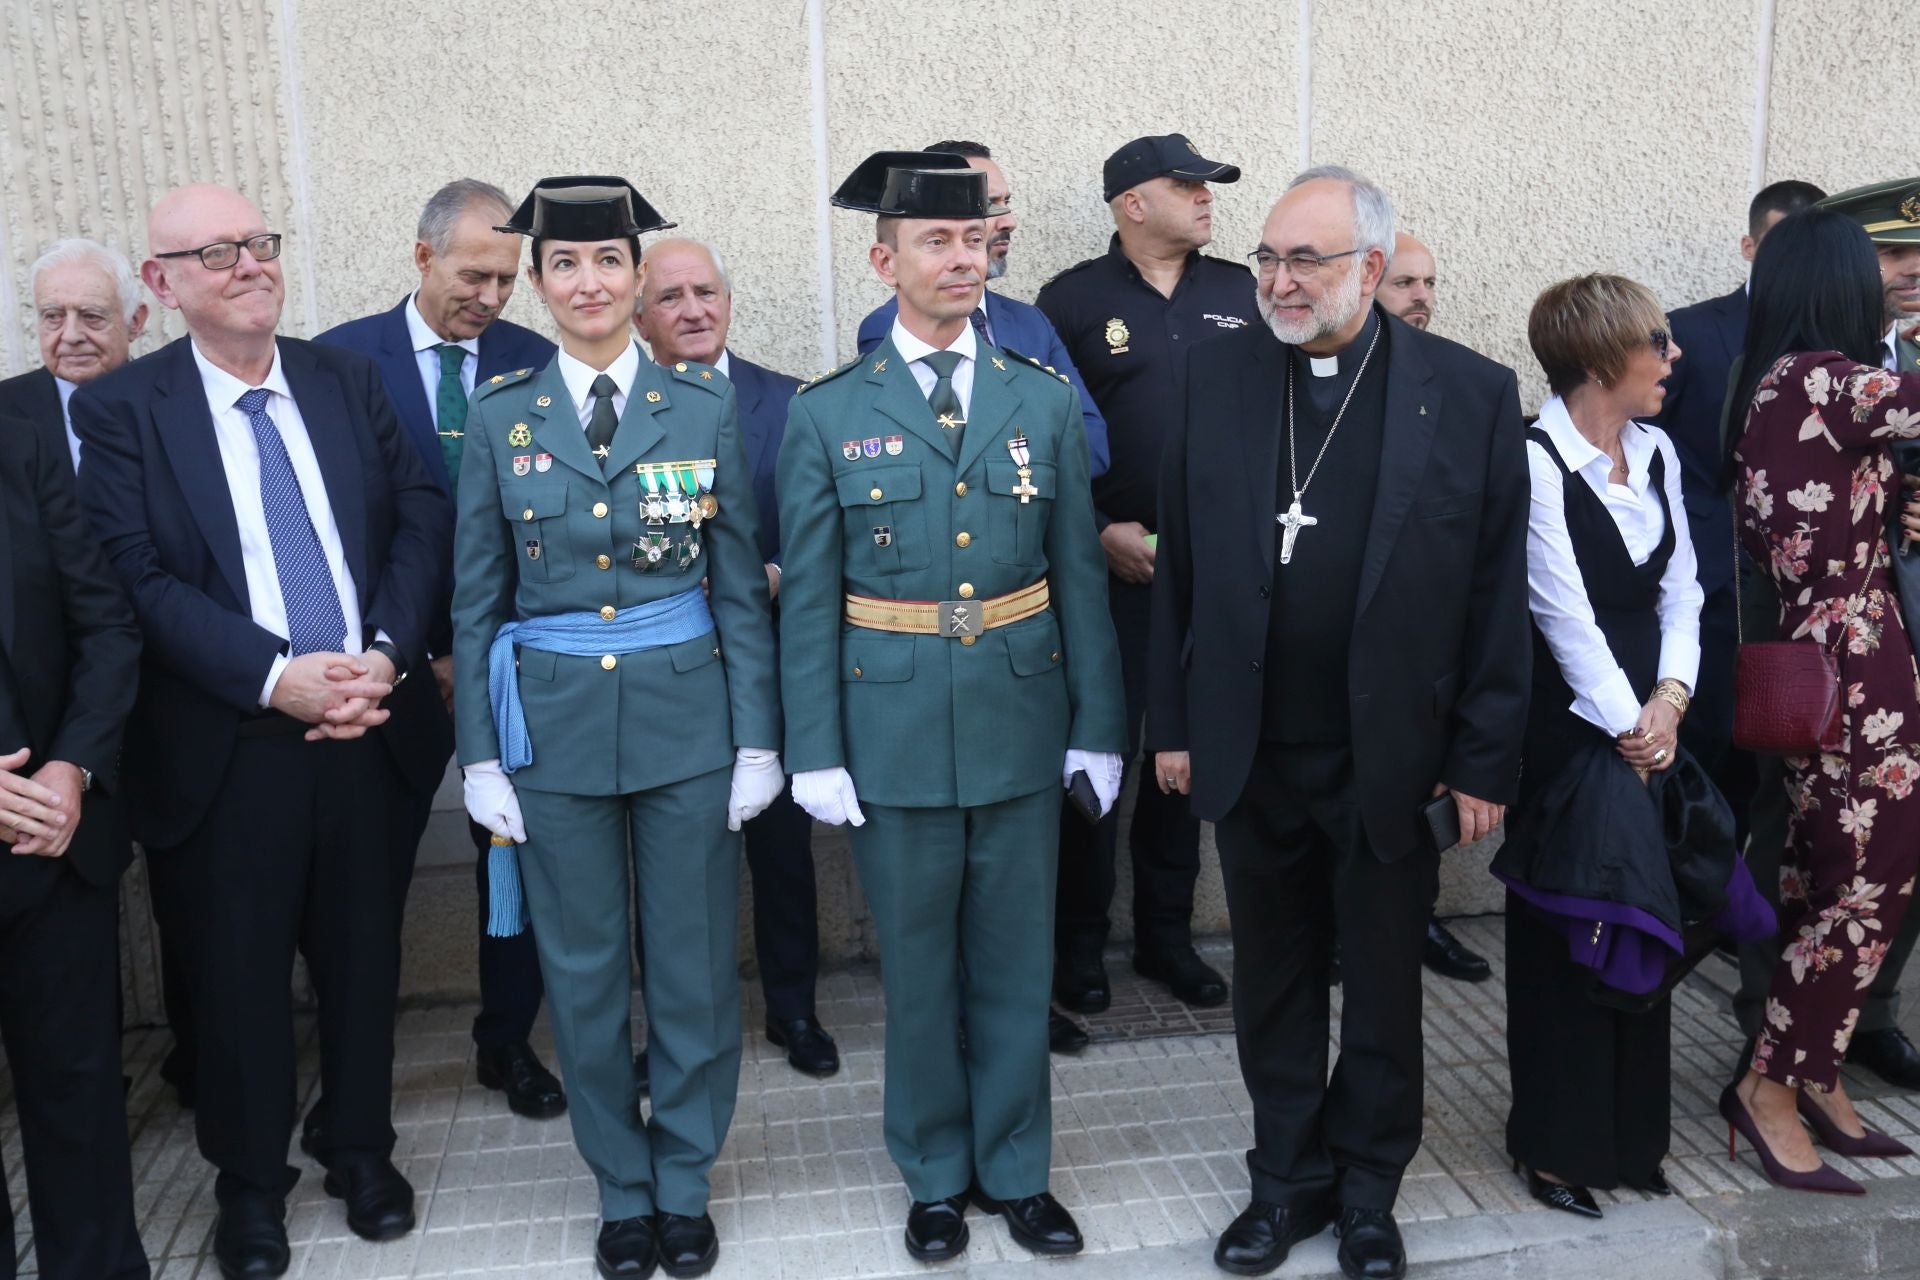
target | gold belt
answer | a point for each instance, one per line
(963, 620)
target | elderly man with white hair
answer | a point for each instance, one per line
(87, 312)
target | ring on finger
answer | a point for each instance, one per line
(1660, 755)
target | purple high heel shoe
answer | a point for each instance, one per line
(1823, 1179)
(1837, 1140)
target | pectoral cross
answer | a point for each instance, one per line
(1025, 488)
(1295, 520)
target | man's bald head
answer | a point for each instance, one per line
(240, 303)
(1407, 289)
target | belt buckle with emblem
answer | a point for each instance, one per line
(959, 618)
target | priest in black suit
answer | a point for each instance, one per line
(1340, 634)
(69, 662)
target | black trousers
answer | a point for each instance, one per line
(60, 1015)
(1591, 1085)
(293, 853)
(1299, 870)
(1164, 837)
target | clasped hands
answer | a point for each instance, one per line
(1648, 746)
(337, 693)
(38, 813)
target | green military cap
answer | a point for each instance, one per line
(1889, 211)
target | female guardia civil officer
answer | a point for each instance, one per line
(612, 714)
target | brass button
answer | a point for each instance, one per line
(599, 511)
(527, 514)
(963, 539)
(966, 591)
(682, 367)
(606, 612)
(856, 673)
(960, 490)
(968, 639)
(604, 562)
(1055, 657)
(874, 493)
(608, 662)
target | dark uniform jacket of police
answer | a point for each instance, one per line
(1439, 662)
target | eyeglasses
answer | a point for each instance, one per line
(222, 254)
(1661, 342)
(1301, 266)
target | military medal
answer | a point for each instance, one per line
(894, 445)
(706, 504)
(650, 550)
(653, 507)
(543, 462)
(689, 551)
(1017, 448)
(522, 465)
(850, 450)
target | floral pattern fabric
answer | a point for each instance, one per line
(1814, 481)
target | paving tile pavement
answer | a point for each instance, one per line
(1151, 1125)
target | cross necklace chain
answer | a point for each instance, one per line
(1293, 519)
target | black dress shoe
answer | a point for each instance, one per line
(177, 1070)
(1655, 1185)
(937, 1229)
(641, 1083)
(530, 1088)
(1259, 1239)
(379, 1200)
(1080, 984)
(1888, 1054)
(1064, 1035)
(810, 1050)
(688, 1246)
(1563, 1196)
(1446, 956)
(1040, 1224)
(250, 1239)
(1189, 977)
(625, 1249)
(1370, 1247)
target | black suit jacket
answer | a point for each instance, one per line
(157, 498)
(1710, 335)
(34, 397)
(69, 651)
(1441, 654)
(764, 396)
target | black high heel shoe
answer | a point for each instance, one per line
(1559, 1195)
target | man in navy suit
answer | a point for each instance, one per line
(284, 550)
(683, 311)
(1015, 325)
(431, 348)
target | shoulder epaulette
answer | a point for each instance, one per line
(701, 375)
(499, 380)
(1075, 269)
(1021, 359)
(819, 378)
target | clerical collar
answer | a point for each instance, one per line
(1329, 366)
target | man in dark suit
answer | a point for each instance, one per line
(284, 549)
(683, 312)
(1336, 473)
(69, 663)
(431, 349)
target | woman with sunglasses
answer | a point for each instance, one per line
(1616, 614)
(1813, 472)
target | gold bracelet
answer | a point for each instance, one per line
(1673, 693)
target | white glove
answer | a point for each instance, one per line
(1104, 770)
(827, 794)
(491, 802)
(756, 782)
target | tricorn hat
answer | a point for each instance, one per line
(915, 184)
(1889, 211)
(584, 208)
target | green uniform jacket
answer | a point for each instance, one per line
(560, 538)
(922, 720)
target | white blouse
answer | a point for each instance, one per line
(1602, 693)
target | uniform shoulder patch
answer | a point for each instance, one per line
(700, 375)
(820, 378)
(498, 381)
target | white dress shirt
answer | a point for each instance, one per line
(1602, 693)
(240, 459)
(579, 377)
(724, 364)
(66, 393)
(911, 349)
(1890, 348)
(428, 359)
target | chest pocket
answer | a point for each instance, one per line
(884, 525)
(1019, 529)
(536, 512)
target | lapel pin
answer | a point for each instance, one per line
(653, 397)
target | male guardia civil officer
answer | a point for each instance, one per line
(947, 663)
(432, 348)
(631, 720)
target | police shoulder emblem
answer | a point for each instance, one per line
(1117, 336)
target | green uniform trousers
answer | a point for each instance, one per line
(686, 864)
(962, 903)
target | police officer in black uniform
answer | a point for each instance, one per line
(1128, 318)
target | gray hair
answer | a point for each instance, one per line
(109, 260)
(1372, 210)
(445, 207)
(719, 266)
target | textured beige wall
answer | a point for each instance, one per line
(1846, 85)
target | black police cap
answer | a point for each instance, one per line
(1164, 155)
(584, 208)
(915, 184)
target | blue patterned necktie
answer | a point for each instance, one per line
(979, 320)
(315, 623)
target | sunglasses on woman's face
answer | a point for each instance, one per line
(1660, 341)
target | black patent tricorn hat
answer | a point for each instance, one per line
(584, 208)
(915, 184)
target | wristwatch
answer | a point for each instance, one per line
(392, 655)
(86, 780)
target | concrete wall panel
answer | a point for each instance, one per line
(1845, 85)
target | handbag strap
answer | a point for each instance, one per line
(1739, 608)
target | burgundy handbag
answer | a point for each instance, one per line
(1786, 693)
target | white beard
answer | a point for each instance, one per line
(1329, 313)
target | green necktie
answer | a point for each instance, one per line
(450, 410)
(600, 426)
(944, 401)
